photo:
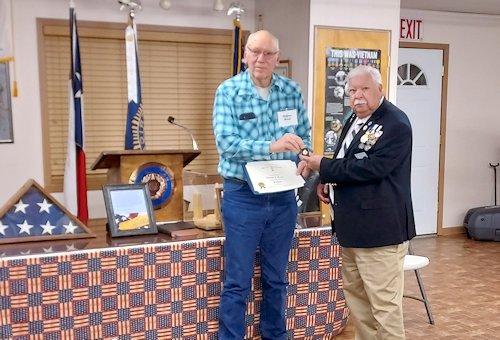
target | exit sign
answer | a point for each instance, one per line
(411, 29)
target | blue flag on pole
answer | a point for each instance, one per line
(238, 66)
(134, 135)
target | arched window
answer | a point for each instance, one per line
(411, 75)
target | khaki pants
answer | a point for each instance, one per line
(373, 286)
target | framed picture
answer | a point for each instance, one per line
(284, 69)
(129, 209)
(5, 105)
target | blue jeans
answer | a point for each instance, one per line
(267, 221)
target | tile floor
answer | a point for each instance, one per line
(462, 283)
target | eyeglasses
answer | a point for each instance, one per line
(257, 53)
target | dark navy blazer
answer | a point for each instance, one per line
(373, 206)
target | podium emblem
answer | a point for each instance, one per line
(160, 180)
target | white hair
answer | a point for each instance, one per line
(364, 69)
(275, 40)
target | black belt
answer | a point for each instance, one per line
(235, 179)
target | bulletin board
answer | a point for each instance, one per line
(370, 47)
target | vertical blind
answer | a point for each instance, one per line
(179, 76)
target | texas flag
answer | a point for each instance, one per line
(75, 182)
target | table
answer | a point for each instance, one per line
(162, 290)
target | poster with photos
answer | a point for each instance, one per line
(339, 61)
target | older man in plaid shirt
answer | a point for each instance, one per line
(249, 126)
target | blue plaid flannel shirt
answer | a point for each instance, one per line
(243, 140)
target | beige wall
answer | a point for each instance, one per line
(288, 20)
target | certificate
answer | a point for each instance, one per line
(266, 177)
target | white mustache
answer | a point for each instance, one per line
(359, 101)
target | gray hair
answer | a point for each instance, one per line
(364, 69)
(275, 40)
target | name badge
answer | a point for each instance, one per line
(361, 155)
(287, 118)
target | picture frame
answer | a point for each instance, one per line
(284, 69)
(6, 135)
(129, 209)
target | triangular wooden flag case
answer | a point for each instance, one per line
(32, 214)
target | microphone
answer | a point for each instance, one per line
(171, 121)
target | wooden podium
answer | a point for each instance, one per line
(122, 165)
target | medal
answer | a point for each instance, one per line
(370, 137)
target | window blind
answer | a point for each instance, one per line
(179, 74)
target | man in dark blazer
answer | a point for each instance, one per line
(367, 183)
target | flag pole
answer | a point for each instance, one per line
(75, 175)
(237, 62)
(134, 133)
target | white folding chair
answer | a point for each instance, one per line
(415, 262)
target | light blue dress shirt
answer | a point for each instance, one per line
(245, 124)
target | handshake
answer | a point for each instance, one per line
(291, 142)
(308, 162)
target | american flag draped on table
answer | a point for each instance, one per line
(75, 176)
(134, 134)
(164, 291)
(238, 65)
